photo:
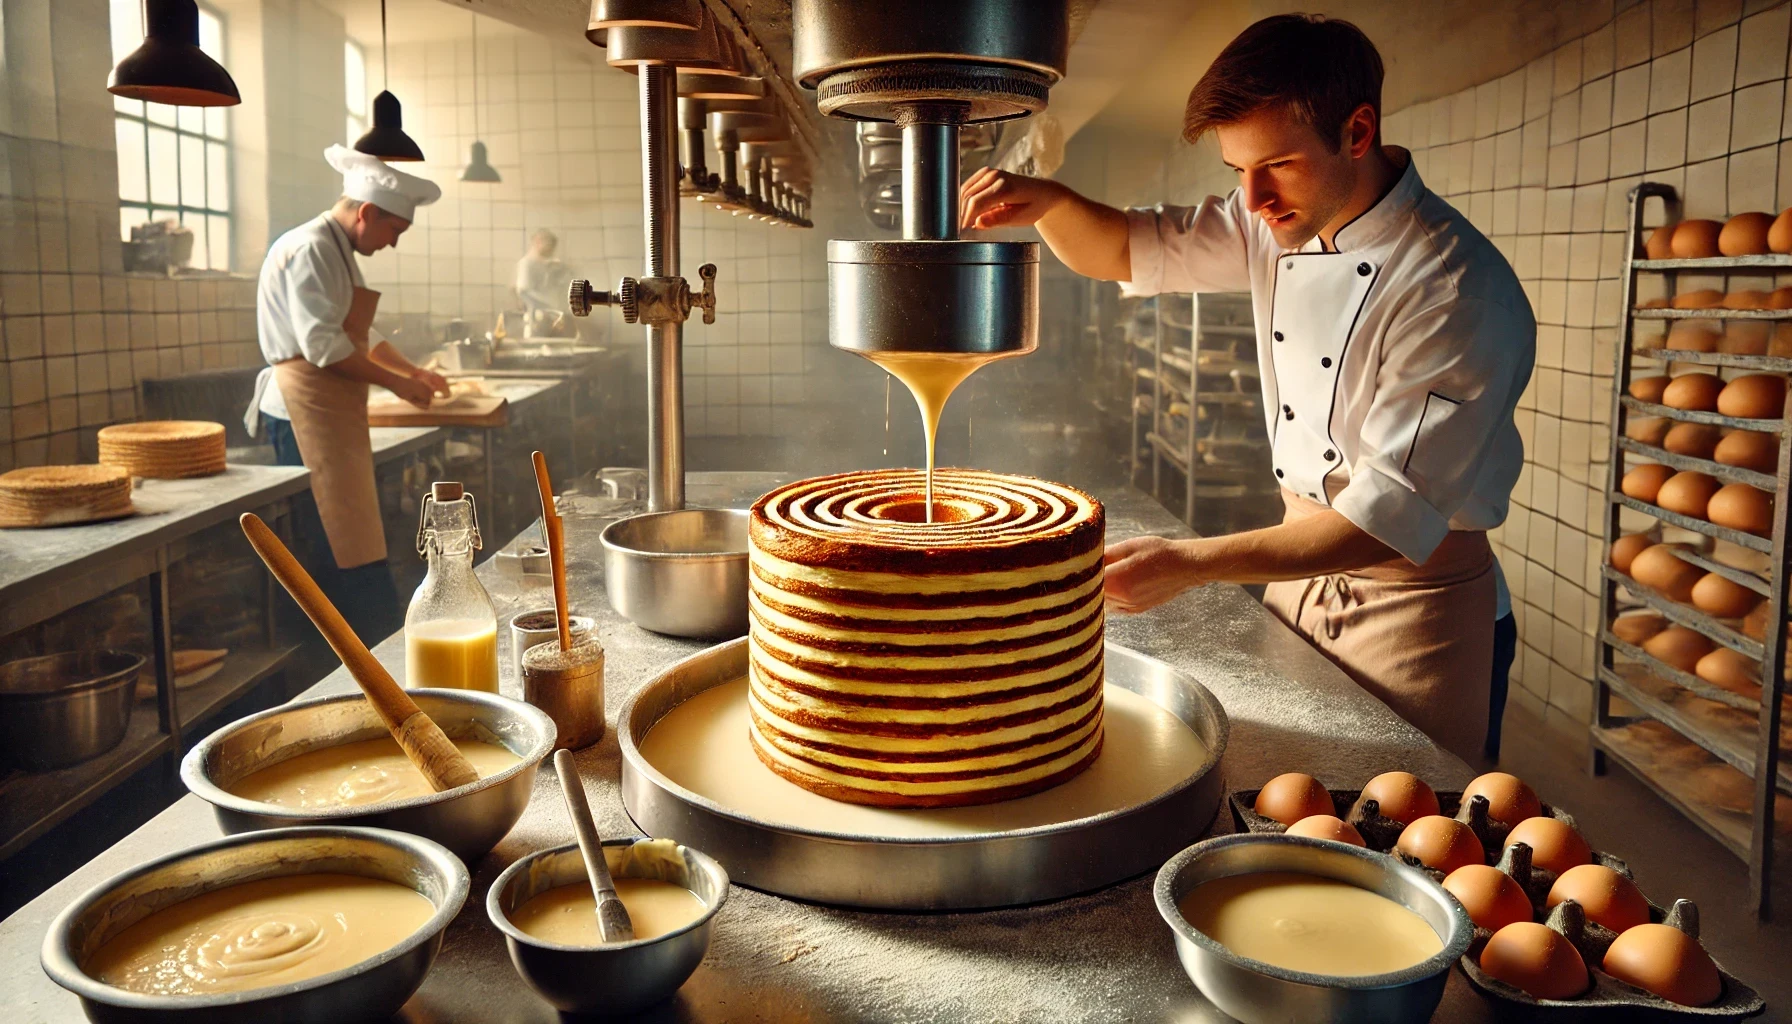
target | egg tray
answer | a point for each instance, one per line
(1608, 999)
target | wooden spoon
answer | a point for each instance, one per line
(430, 749)
(613, 924)
(555, 532)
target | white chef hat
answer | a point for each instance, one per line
(372, 180)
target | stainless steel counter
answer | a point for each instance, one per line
(1104, 956)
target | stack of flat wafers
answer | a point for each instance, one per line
(164, 449)
(63, 495)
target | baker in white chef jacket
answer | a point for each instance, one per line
(315, 314)
(1394, 341)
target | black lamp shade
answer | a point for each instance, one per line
(386, 139)
(479, 168)
(170, 67)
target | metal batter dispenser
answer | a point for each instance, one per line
(931, 68)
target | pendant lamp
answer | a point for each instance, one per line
(478, 168)
(170, 67)
(386, 139)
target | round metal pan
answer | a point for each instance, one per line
(959, 872)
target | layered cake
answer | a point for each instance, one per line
(904, 663)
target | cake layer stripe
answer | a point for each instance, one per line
(873, 762)
(863, 689)
(920, 785)
(923, 671)
(921, 583)
(771, 676)
(919, 722)
(910, 604)
(924, 656)
(871, 634)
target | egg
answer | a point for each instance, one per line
(1658, 568)
(1608, 897)
(1678, 647)
(1695, 336)
(1667, 962)
(1755, 623)
(1696, 239)
(1644, 482)
(1687, 492)
(1403, 796)
(1749, 449)
(1638, 627)
(1648, 429)
(1746, 298)
(1729, 670)
(1660, 245)
(1745, 338)
(1440, 843)
(1695, 392)
(1745, 234)
(1715, 595)
(1781, 344)
(1780, 298)
(1293, 796)
(1742, 507)
(1625, 549)
(1327, 826)
(1649, 389)
(1537, 960)
(1509, 799)
(1555, 845)
(1698, 440)
(1491, 897)
(1779, 236)
(1755, 396)
(1698, 298)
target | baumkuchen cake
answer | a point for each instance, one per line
(912, 664)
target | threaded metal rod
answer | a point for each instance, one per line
(665, 341)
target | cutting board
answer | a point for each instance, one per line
(459, 411)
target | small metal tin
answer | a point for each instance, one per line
(615, 979)
(569, 687)
(538, 627)
(530, 559)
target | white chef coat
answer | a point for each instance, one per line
(1390, 368)
(307, 283)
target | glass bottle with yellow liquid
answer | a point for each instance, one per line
(451, 629)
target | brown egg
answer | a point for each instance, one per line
(1491, 897)
(1698, 298)
(1687, 493)
(1693, 391)
(1742, 507)
(1696, 239)
(1658, 568)
(1555, 845)
(1745, 338)
(1403, 796)
(1749, 449)
(1291, 797)
(1509, 799)
(1606, 896)
(1644, 482)
(1648, 429)
(1779, 236)
(1715, 595)
(1443, 844)
(1745, 235)
(1755, 623)
(1537, 960)
(1746, 298)
(1667, 962)
(1731, 671)
(1679, 647)
(1625, 549)
(1660, 245)
(1695, 336)
(1649, 389)
(1698, 440)
(1638, 627)
(1327, 826)
(1755, 396)
(1780, 298)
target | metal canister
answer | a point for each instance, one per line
(569, 686)
(528, 629)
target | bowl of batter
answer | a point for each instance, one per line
(330, 761)
(1274, 927)
(319, 924)
(543, 906)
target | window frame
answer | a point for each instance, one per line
(354, 121)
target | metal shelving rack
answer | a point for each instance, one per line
(1729, 728)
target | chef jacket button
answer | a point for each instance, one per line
(1310, 494)
(1278, 335)
(1330, 455)
(1278, 474)
(1288, 411)
(1363, 269)
(1325, 361)
(1289, 265)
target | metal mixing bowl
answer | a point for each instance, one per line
(615, 979)
(61, 709)
(682, 573)
(371, 990)
(1260, 993)
(467, 819)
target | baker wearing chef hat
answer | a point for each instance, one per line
(315, 317)
(1393, 342)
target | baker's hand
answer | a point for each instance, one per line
(412, 390)
(1144, 572)
(438, 384)
(1003, 199)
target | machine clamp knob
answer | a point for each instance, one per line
(627, 299)
(580, 298)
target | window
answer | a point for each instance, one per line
(173, 162)
(354, 89)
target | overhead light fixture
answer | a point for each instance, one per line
(170, 67)
(478, 167)
(386, 139)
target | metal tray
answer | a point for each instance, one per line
(958, 872)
